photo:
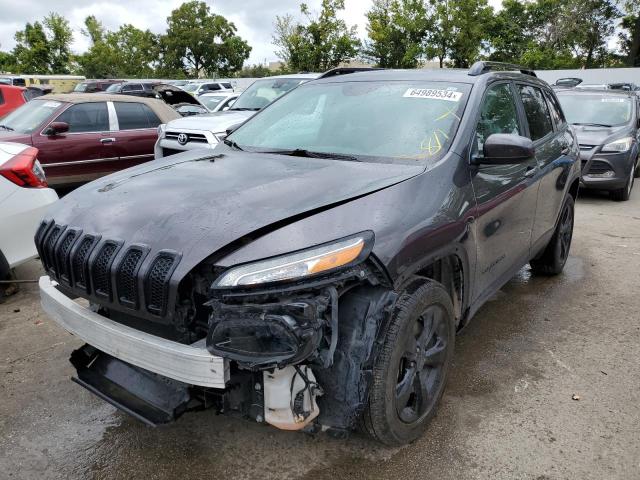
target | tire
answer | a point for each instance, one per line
(623, 194)
(636, 173)
(555, 255)
(400, 407)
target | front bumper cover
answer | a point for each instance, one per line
(190, 364)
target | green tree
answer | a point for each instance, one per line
(200, 41)
(397, 31)
(509, 33)
(460, 31)
(322, 42)
(100, 60)
(7, 62)
(32, 49)
(59, 40)
(135, 51)
(629, 37)
(254, 71)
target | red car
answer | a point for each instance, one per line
(83, 137)
(11, 98)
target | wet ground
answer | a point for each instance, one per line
(508, 412)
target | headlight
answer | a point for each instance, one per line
(621, 145)
(161, 128)
(301, 264)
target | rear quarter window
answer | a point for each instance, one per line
(1, 98)
(133, 116)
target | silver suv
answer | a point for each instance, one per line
(206, 131)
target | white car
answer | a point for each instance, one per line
(218, 102)
(198, 88)
(206, 131)
(24, 198)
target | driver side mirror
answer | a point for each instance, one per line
(56, 128)
(505, 149)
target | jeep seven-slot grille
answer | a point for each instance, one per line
(126, 281)
(101, 269)
(157, 284)
(106, 270)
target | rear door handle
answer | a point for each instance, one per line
(566, 151)
(107, 140)
(531, 171)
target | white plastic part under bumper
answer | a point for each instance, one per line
(192, 364)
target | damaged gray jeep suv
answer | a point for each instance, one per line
(312, 271)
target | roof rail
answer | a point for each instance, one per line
(334, 72)
(480, 67)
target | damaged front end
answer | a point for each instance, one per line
(296, 351)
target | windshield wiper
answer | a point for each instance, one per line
(245, 109)
(7, 128)
(300, 152)
(592, 124)
(232, 144)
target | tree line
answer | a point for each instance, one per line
(541, 34)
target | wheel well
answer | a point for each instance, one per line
(448, 271)
(573, 189)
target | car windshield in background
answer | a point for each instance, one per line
(262, 92)
(211, 101)
(605, 110)
(29, 116)
(400, 122)
(115, 88)
(190, 87)
(81, 87)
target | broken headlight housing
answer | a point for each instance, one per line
(298, 265)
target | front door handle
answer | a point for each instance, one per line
(531, 171)
(107, 140)
(566, 150)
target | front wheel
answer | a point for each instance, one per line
(555, 255)
(411, 371)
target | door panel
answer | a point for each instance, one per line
(135, 140)
(506, 196)
(551, 154)
(77, 154)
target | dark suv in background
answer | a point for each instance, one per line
(312, 270)
(607, 124)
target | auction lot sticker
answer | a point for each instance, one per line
(448, 95)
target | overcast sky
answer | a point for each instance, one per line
(253, 18)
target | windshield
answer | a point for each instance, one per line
(115, 88)
(190, 87)
(81, 87)
(211, 101)
(262, 92)
(29, 116)
(404, 122)
(596, 109)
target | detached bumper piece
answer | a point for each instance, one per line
(147, 396)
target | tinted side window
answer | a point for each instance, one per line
(86, 117)
(536, 110)
(135, 115)
(227, 85)
(556, 110)
(132, 88)
(498, 114)
(211, 87)
(1, 98)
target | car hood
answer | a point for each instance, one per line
(213, 122)
(174, 95)
(6, 136)
(588, 135)
(199, 204)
